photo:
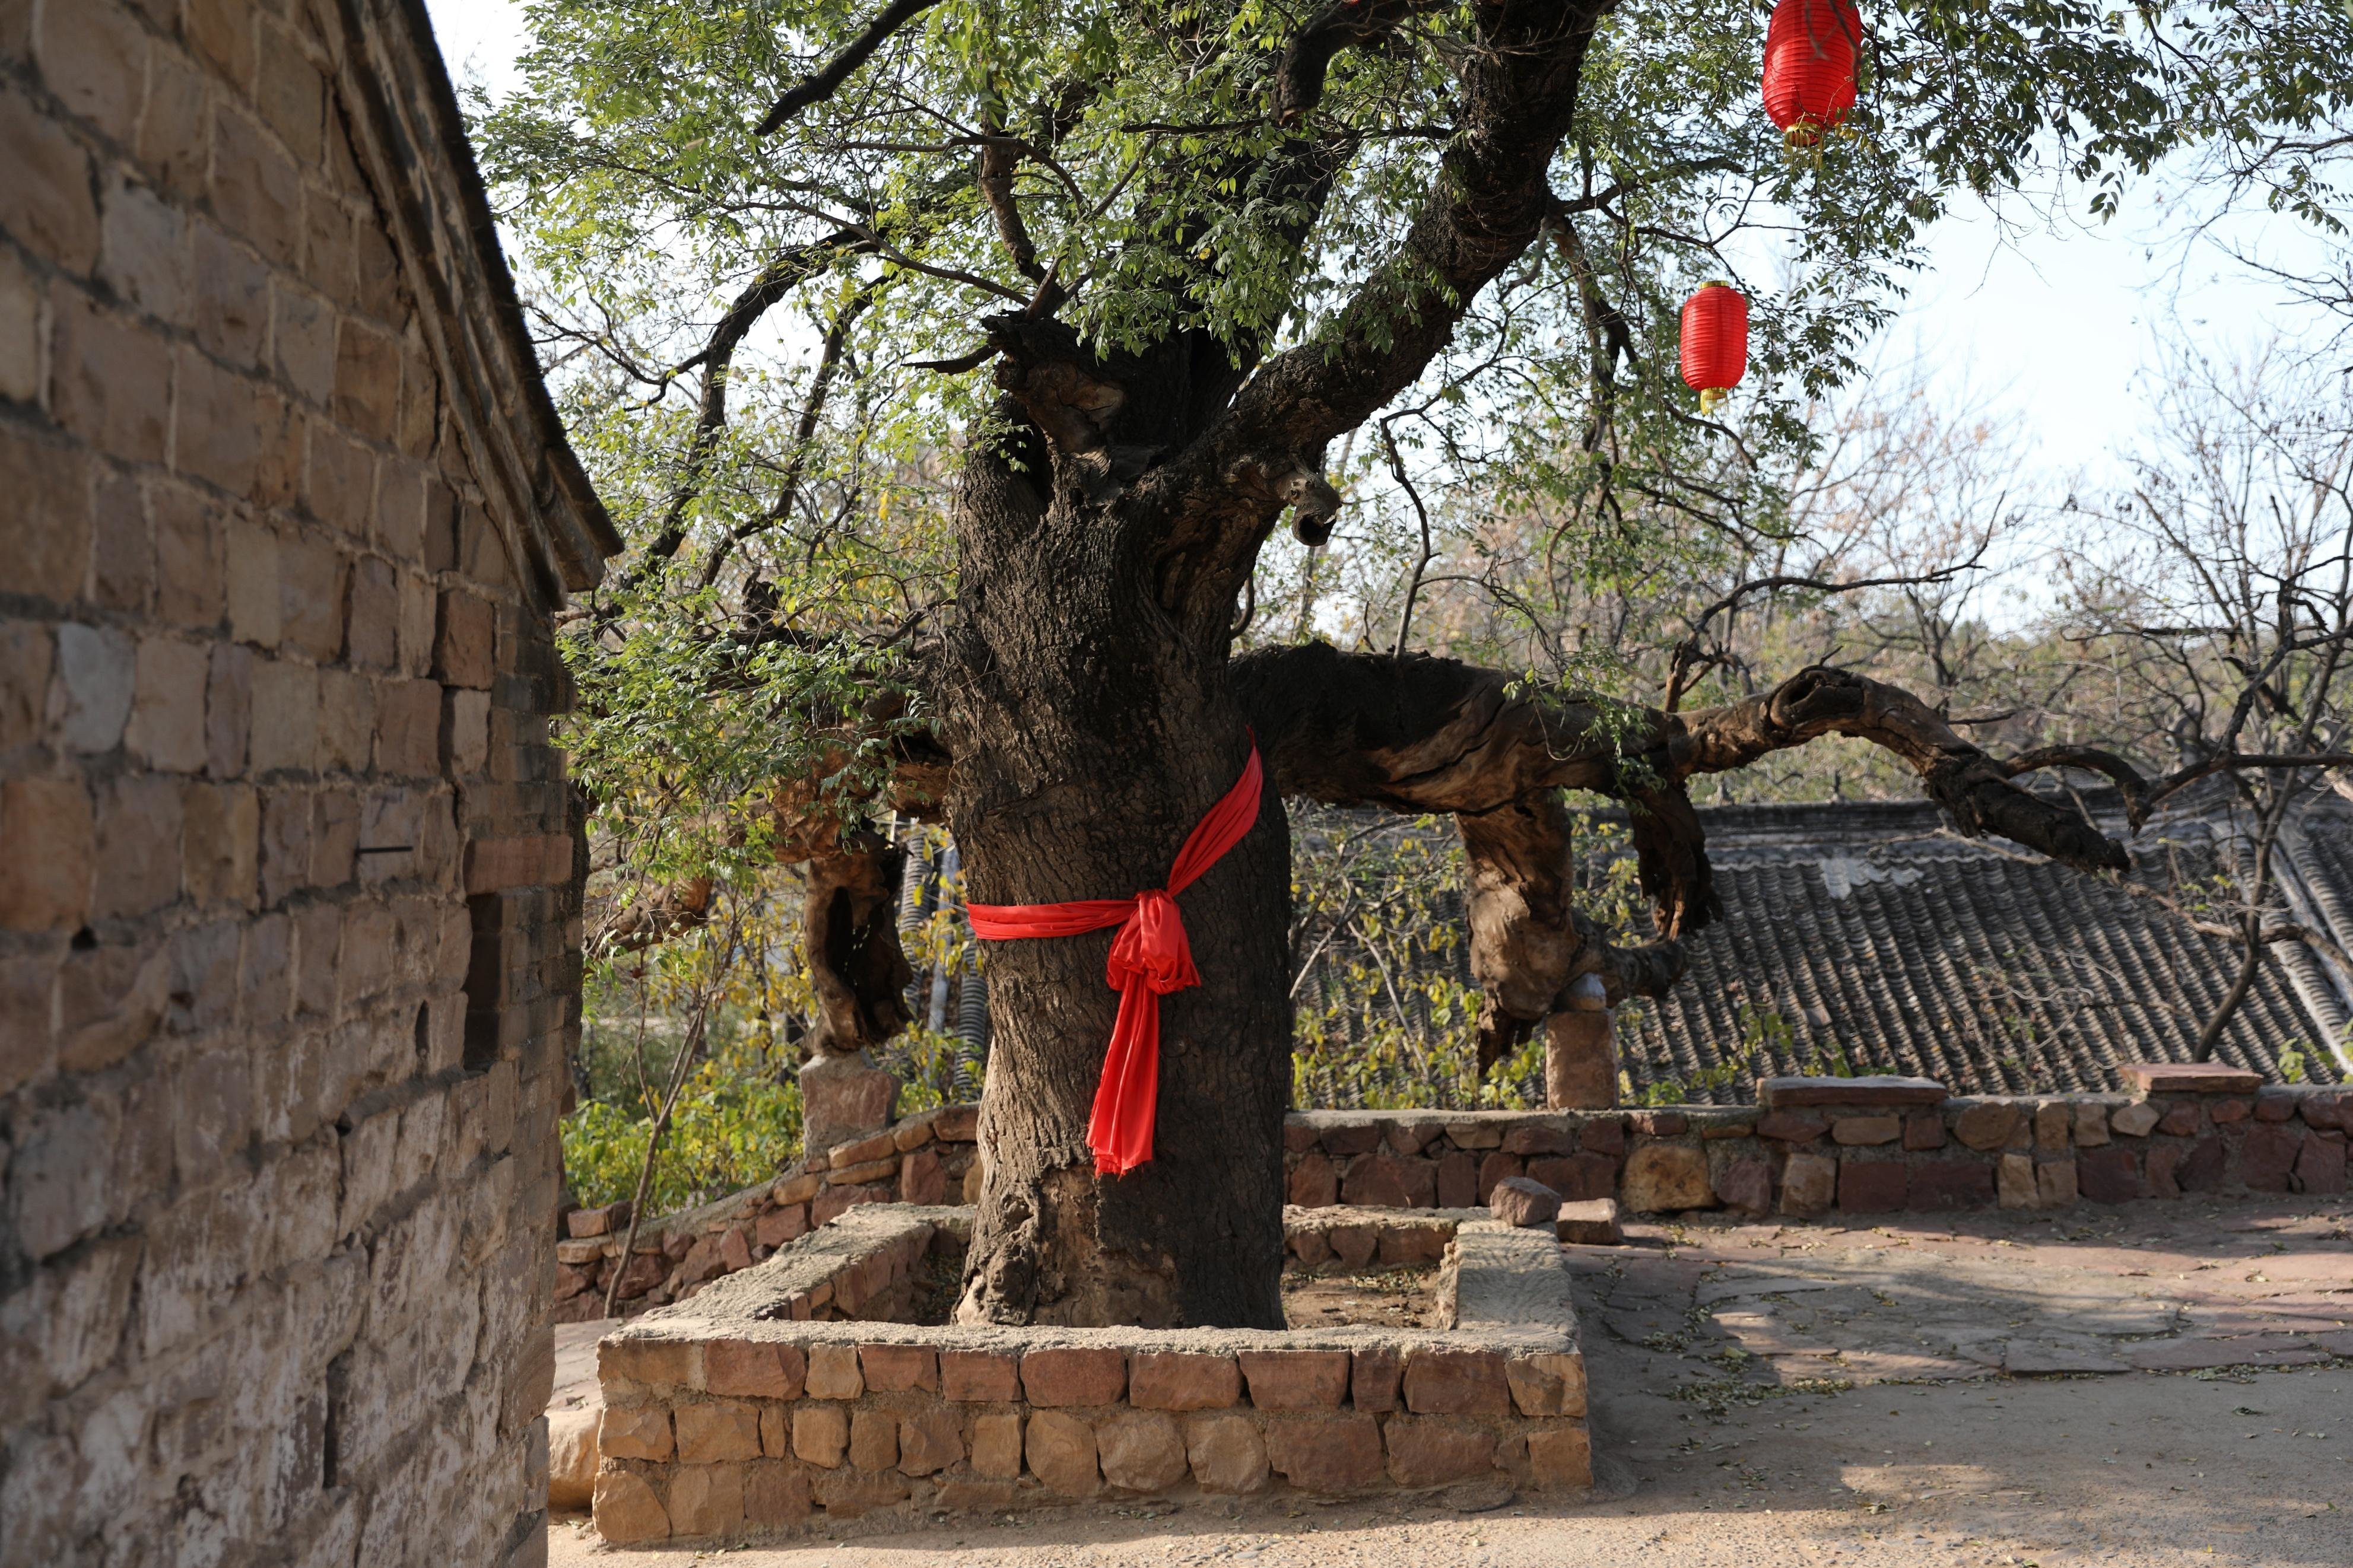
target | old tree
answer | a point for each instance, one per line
(956, 363)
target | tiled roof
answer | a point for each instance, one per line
(1859, 932)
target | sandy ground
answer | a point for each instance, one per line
(1708, 1458)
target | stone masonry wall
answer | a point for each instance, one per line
(1864, 1156)
(285, 865)
(726, 1418)
(1858, 1146)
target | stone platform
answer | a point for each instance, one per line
(793, 1393)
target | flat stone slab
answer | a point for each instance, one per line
(2190, 1078)
(1776, 1093)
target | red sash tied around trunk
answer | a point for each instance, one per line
(1150, 957)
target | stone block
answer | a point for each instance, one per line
(2188, 1077)
(2223, 1112)
(1561, 1457)
(2014, 1183)
(776, 1494)
(2268, 1154)
(996, 1446)
(1581, 1061)
(1519, 1202)
(2328, 1110)
(2090, 1125)
(1296, 1380)
(2053, 1120)
(1781, 1093)
(1791, 1126)
(1949, 1184)
(1428, 1451)
(1374, 1376)
(1410, 1138)
(921, 1178)
(820, 1433)
(1455, 1383)
(1808, 1184)
(880, 1146)
(2109, 1175)
(1076, 1377)
(1227, 1453)
(930, 1441)
(627, 1510)
(1924, 1130)
(1539, 1138)
(834, 1373)
(2138, 1120)
(956, 1123)
(1662, 1178)
(1603, 1135)
(1544, 1385)
(752, 1369)
(775, 1229)
(1314, 1182)
(1390, 1180)
(847, 1492)
(873, 1439)
(1458, 1180)
(2320, 1163)
(1746, 1186)
(979, 1376)
(1181, 1380)
(572, 1458)
(2182, 1120)
(1329, 1453)
(1061, 1449)
(1343, 1139)
(1872, 1187)
(845, 1097)
(1141, 1451)
(2201, 1169)
(1594, 1223)
(717, 1430)
(640, 1432)
(1410, 1246)
(1352, 1245)
(2054, 1184)
(1863, 1131)
(1501, 1167)
(891, 1369)
(1987, 1125)
(1578, 1178)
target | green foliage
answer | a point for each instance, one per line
(731, 1129)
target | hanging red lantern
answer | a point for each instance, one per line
(1715, 342)
(1810, 48)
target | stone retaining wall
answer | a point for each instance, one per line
(929, 1158)
(1858, 1146)
(729, 1417)
(1808, 1147)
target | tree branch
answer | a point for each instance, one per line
(825, 81)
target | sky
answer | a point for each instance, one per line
(2042, 321)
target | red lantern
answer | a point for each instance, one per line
(1715, 342)
(1809, 67)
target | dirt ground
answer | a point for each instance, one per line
(1767, 1396)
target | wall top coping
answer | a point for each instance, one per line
(1773, 1093)
(2193, 1078)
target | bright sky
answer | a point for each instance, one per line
(2054, 324)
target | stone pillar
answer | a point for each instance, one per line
(844, 1098)
(1581, 1051)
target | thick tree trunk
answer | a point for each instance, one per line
(1090, 733)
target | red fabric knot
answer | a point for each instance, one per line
(1152, 946)
(1150, 957)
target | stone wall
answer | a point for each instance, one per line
(285, 871)
(725, 1417)
(1814, 1147)
(925, 1159)
(1855, 1146)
